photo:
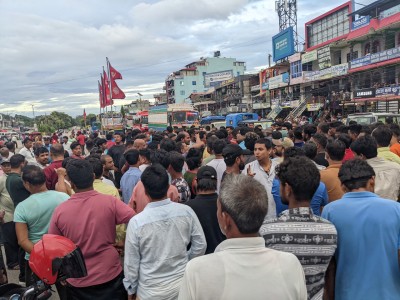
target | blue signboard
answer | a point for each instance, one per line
(283, 44)
(388, 91)
(361, 22)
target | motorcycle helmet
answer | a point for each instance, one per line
(55, 258)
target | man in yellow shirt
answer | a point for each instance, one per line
(383, 136)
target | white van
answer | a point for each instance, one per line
(370, 118)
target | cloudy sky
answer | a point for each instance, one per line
(52, 52)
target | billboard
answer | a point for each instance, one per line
(213, 79)
(283, 44)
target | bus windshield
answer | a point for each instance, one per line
(192, 116)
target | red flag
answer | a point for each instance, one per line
(107, 96)
(117, 93)
(84, 114)
(101, 97)
(114, 74)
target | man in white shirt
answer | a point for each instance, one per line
(157, 239)
(241, 267)
(218, 163)
(27, 151)
(263, 170)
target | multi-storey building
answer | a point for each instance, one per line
(201, 75)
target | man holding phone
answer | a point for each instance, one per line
(263, 170)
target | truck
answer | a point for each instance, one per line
(234, 119)
(175, 115)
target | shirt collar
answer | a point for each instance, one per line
(304, 211)
(334, 166)
(241, 243)
(158, 203)
(360, 195)
(383, 149)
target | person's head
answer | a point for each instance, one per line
(310, 149)
(76, 149)
(108, 163)
(206, 180)
(335, 151)
(218, 146)
(109, 136)
(320, 140)
(168, 145)
(299, 179)
(33, 178)
(346, 139)
(65, 139)
(57, 152)
(365, 130)
(293, 152)
(241, 134)
(155, 182)
(357, 175)
(17, 162)
(42, 155)
(262, 150)
(5, 166)
(139, 144)
(395, 133)
(365, 147)
(80, 173)
(4, 152)
(184, 137)
(194, 158)
(309, 131)
(210, 144)
(236, 215)
(298, 134)
(96, 165)
(333, 126)
(181, 147)
(101, 144)
(382, 135)
(233, 156)
(119, 138)
(27, 142)
(10, 146)
(145, 156)
(132, 157)
(176, 162)
(354, 131)
(46, 140)
(250, 139)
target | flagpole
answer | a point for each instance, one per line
(111, 95)
(104, 98)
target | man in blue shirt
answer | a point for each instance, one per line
(368, 227)
(132, 176)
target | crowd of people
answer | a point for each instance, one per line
(289, 212)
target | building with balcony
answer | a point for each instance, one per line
(200, 76)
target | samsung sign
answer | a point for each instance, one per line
(364, 93)
(361, 22)
(283, 44)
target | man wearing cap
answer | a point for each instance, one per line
(27, 151)
(234, 160)
(205, 206)
(277, 153)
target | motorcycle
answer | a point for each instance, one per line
(53, 259)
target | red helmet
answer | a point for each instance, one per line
(56, 257)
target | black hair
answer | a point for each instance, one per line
(80, 172)
(288, 125)
(132, 156)
(355, 173)
(74, 145)
(16, 160)
(208, 128)
(109, 136)
(324, 127)
(250, 141)
(346, 139)
(155, 181)
(298, 133)
(97, 166)
(220, 134)
(244, 130)
(145, 153)
(321, 139)
(168, 145)
(336, 150)
(139, 135)
(218, 146)
(355, 128)
(202, 134)
(194, 158)
(170, 129)
(395, 129)
(365, 145)
(266, 142)
(207, 184)
(382, 135)
(352, 122)
(153, 145)
(160, 157)
(10, 146)
(40, 150)
(366, 129)
(100, 142)
(26, 140)
(343, 129)
(121, 135)
(178, 147)
(210, 142)
(335, 124)
(301, 174)
(66, 161)
(89, 144)
(310, 150)
(310, 130)
(180, 137)
(33, 175)
(293, 152)
(57, 150)
(176, 161)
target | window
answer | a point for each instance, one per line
(182, 93)
(182, 83)
(376, 47)
(367, 49)
(352, 56)
(295, 69)
(307, 66)
(193, 82)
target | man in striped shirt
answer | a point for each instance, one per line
(297, 230)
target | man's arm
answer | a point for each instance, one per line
(329, 289)
(53, 228)
(198, 240)
(123, 213)
(186, 289)
(132, 260)
(22, 235)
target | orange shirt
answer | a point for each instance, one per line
(395, 148)
(330, 177)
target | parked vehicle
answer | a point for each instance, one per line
(370, 118)
(234, 119)
(265, 123)
(180, 115)
(211, 119)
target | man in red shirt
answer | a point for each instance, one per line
(89, 219)
(80, 138)
(57, 157)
